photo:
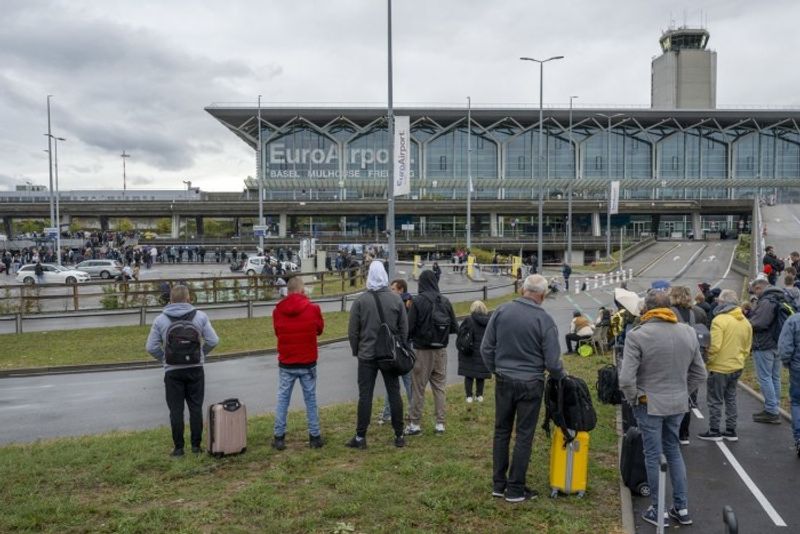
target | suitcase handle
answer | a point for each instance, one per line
(729, 518)
(231, 405)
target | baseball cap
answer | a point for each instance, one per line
(660, 285)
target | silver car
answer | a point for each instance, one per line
(103, 268)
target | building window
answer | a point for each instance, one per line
(479, 143)
(674, 163)
(634, 144)
(521, 163)
(748, 163)
(442, 163)
(598, 162)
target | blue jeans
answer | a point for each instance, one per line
(386, 415)
(308, 381)
(794, 395)
(768, 371)
(660, 435)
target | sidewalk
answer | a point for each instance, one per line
(756, 476)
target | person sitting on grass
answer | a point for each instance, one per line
(580, 329)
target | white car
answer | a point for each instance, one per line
(255, 264)
(53, 274)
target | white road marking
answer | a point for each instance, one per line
(762, 500)
(676, 258)
(727, 271)
(796, 219)
(697, 413)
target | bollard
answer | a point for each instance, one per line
(485, 292)
(18, 322)
(603, 280)
(616, 277)
(344, 303)
(249, 309)
(577, 287)
(624, 273)
(596, 278)
(142, 316)
(630, 274)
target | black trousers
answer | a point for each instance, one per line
(569, 338)
(478, 386)
(683, 433)
(520, 401)
(185, 385)
(367, 374)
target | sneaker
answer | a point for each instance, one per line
(439, 428)
(279, 443)
(480, 398)
(469, 400)
(527, 495)
(730, 435)
(683, 440)
(681, 516)
(651, 516)
(499, 493)
(315, 442)
(176, 452)
(196, 450)
(710, 435)
(357, 443)
(766, 417)
(399, 441)
(413, 430)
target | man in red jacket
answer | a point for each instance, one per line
(297, 322)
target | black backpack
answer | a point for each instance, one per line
(568, 404)
(183, 345)
(392, 352)
(435, 332)
(465, 338)
(783, 310)
(701, 330)
(608, 391)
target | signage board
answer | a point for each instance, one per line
(402, 156)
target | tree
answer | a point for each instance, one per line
(124, 225)
(163, 226)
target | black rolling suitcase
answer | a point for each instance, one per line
(631, 463)
(628, 419)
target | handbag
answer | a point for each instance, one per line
(393, 354)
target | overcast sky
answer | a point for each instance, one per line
(135, 75)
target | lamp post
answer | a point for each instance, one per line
(58, 196)
(608, 175)
(569, 189)
(124, 156)
(469, 173)
(188, 184)
(390, 116)
(541, 63)
(260, 175)
(49, 135)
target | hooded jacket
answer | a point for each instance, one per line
(763, 316)
(789, 343)
(297, 322)
(365, 321)
(158, 333)
(422, 306)
(471, 365)
(661, 361)
(731, 338)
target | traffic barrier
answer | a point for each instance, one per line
(577, 287)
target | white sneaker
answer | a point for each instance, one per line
(469, 400)
(439, 428)
(413, 430)
(480, 398)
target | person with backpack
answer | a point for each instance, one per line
(791, 291)
(180, 339)
(400, 287)
(520, 343)
(767, 319)
(431, 320)
(773, 263)
(731, 338)
(297, 323)
(789, 352)
(661, 366)
(468, 343)
(364, 330)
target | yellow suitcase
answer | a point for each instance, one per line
(569, 464)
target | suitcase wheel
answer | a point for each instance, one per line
(581, 494)
(643, 489)
(553, 493)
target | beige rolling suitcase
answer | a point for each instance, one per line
(227, 428)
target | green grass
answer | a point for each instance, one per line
(125, 482)
(126, 343)
(743, 248)
(750, 378)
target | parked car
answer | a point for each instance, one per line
(103, 268)
(53, 274)
(255, 264)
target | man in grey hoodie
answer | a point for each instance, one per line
(520, 342)
(183, 382)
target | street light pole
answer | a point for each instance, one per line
(260, 175)
(541, 180)
(50, 160)
(58, 195)
(469, 173)
(124, 156)
(390, 125)
(569, 189)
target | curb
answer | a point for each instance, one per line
(131, 366)
(786, 415)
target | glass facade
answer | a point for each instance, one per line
(348, 156)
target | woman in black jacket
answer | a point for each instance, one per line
(470, 362)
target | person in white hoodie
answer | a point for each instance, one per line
(180, 339)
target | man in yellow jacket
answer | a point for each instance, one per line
(731, 338)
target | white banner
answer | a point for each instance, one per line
(613, 198)
(402, 156)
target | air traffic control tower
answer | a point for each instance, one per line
(684, 76)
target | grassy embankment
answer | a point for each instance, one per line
(126, 343)
(125, 482)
